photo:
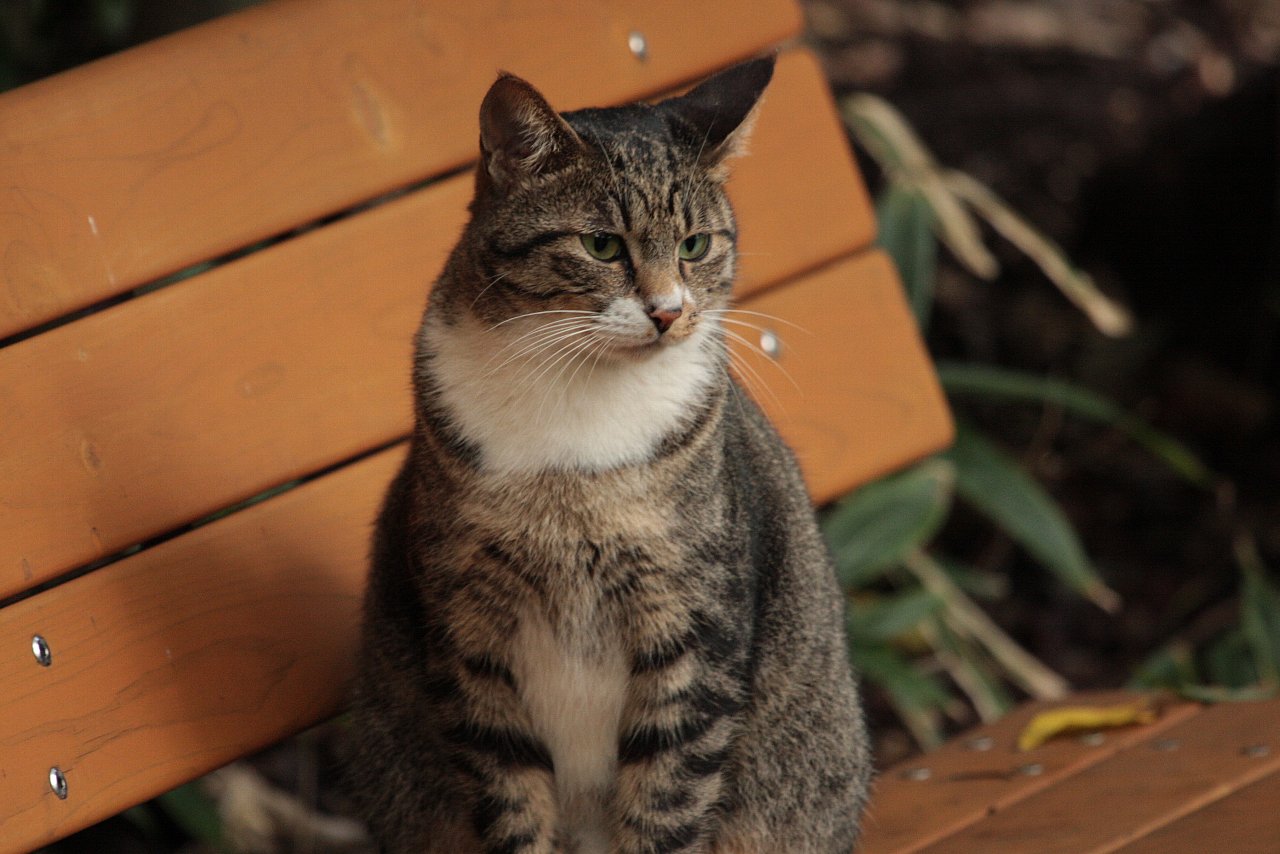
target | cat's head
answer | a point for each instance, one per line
(614, 221)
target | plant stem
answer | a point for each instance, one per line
(967, 619)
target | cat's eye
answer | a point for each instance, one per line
(693, 247)
(603, 246)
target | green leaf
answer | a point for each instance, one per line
(1259, 613)
(959, 378)
(916, 696)
(1228, 660)
(906, 233)
(1219, 694)
(1172, 667)
(871, 529)
(970, 670)
(893, 616)
(995, 484)
(195, 812)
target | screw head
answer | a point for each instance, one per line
(1256, 751)
(40, 649)
(981, 743)
(639, 45)
(918, 774)
(770, 343)
(58, 782)
(1092, 739)
(1032, 769)
(1166, 745)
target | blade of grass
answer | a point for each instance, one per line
(1107, 315)
(968, 620)
(871, 529)
(887, 137)
(962, 378)
(917, 698)
(1259, 611)
(995, 484)
(906, 233)
(892, 616)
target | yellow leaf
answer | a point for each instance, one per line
(1046, 725)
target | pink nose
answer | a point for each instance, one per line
(664, 316)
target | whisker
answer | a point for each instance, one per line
(541, 338)
(565, 355)
(536, 313)
(492, 282)
(751, 378)
(729, 333)
(719, 312)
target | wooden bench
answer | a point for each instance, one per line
(215, 249)
(1199, 779)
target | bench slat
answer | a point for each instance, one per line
(1244, 822)
(178, 660)
(852, 391)
(1143, 788)
(174, 661)
(297, 357)
(982, 773)
(183, 149)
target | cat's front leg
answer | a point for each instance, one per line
(513, 808)
(672, 760)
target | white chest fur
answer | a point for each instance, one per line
(529, 414)
(574, 693)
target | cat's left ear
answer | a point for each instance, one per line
(719, 113)
(521, 136)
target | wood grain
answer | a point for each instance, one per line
(982, 774)
(852, 389)
(184, 657)
(168, 407)
(183, 149)
(1135, 792)
(1242, 822)
(174, 661)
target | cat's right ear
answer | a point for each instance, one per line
(521, 137)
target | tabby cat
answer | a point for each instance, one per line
(600, 617)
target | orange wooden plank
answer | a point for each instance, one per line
(797, 188)
(982, 773)
(852, 390)
(185, 148)
(163, 409)
(1135, 792)
(184, 657)
(173, 661)
(1244, 822)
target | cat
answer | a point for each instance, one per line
(600, 616)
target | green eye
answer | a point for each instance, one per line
(693, 247)
(602, 246)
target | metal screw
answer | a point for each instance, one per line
(770, 343)
(639, 45)
(40, 649)
(917, 774)
(1034, 769)
(1092, 739)
(981, 743)
(1165, 745)
(1256, 751)
(58, 782)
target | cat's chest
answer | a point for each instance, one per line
(527, 415)
(572, 681)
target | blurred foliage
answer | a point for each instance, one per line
(42, 37)
(916, 630)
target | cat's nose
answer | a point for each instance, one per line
(664, 315)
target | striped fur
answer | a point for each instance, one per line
(600, 617)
